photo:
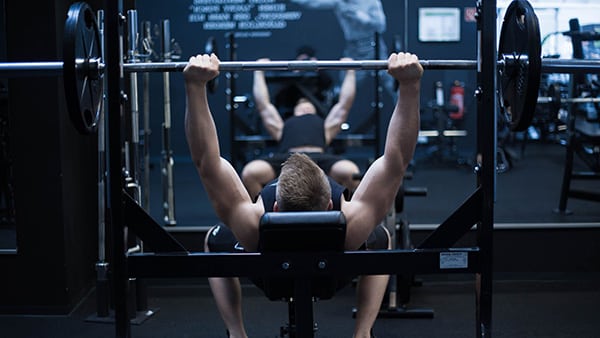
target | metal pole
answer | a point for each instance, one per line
(114, 80)
(487, 112)
(146, 134)
(377, 99)
(133, 164)
(102, 287)
(167, 152)
(231, 105)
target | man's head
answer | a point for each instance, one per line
(302, 186)
(306, 52)
(304, 107)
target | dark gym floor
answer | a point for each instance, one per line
(521, 309)
(525, 305)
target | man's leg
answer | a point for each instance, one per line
(371, 289)
(343, 172)
(228, 296)
(370, 293)
(227, 292)
(255, 175)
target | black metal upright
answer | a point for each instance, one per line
(486, 147)
(230, 96)
(377, 98)
(114, 81)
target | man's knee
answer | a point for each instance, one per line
(346, 173)
(345, 168)
(258, 170)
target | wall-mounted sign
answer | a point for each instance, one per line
(251, 18)
(439, 24)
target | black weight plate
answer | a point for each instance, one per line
(84, 87)
(209, 48)
(520, 83)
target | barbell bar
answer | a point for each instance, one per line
(55, 68)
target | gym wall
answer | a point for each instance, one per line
(54, 171)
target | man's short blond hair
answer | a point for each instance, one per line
(302, 186)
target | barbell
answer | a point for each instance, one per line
(519, 66)
(91, 66)
(55, 68)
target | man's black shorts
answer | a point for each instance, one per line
(221, 239)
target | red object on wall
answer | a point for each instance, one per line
(457, 98)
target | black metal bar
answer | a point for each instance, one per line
(568, 168)
(377, 99)
(570, 66)
(189, 265)
(303, 308)
(144, 227)
(487, 111)
(230, 105)
(167, 160)
(28, 69)
(457, 224)
(584, 195)
(114, 80)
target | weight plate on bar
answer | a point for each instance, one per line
(209, 48)
(82, 77)
(520, 80)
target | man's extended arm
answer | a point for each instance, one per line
(339, 112)
(223, 186)
(269, 115)
(376, 192)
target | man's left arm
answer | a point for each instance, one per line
(378, 188)
(339, 112)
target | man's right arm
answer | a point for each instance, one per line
(227, 194)
(269, 115)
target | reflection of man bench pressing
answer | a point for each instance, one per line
(305, 131)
